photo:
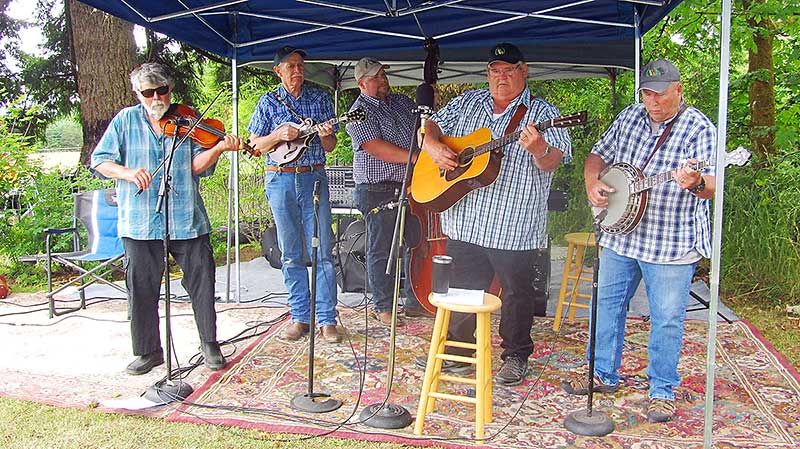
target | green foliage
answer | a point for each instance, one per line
(64, 132)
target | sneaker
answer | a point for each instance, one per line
(513, 371)
(144, 363)
(212, 356)
(580, 386)
(660, 410)
(448, 366)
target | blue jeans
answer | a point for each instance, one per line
(668, 289)
(291, 198)
(380, 230)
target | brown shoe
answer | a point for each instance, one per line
(385, 318)
(330, 334)
(294, 331)
(419, 312)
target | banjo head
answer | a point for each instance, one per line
(623, 204)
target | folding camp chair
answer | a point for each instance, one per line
(97, 211)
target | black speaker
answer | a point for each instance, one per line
(350, 255)
(271, 251)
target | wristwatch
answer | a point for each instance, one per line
(547, 150)
(699, 187)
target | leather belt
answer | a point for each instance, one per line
(298, 169)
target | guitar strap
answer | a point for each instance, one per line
(664, 135)
(291, 109)
(515, 119)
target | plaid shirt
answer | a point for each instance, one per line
(511, 213)
(271, 113)
(391, 120)
(130, 141)
(675, 221)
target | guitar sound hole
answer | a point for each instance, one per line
(466, 156)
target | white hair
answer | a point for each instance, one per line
(151, 73)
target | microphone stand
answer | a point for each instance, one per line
(308, 402)
(586, 422)
(386, 415)
(166, 390)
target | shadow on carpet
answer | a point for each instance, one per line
(756, 393)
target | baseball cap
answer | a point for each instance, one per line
(284, 53)
(505, 52)
(367, 67)
(658, 75)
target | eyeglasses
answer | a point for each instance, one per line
(148, 93)
(506, 71)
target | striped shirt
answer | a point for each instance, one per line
(391, 120)
(675, 222)
(511, 213)
(130, 141)
(271, 113)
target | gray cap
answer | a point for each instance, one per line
(658, 75)
(368, 67)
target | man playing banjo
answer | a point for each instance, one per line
(671, 237)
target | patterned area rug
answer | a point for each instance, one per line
(756, 391)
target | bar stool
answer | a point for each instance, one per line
(482, 361)
(575, 272)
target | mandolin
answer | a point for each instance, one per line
(289, 151)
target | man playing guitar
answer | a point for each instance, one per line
(502, 227)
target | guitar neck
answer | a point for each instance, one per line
(509, 138)
(652, 181)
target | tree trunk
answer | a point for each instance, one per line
(104, 53)
(762, 89)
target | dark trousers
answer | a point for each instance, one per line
(380, 230)
(145, 270)
(473, 268)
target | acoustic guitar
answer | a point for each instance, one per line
(286, 152)
(478, 158)
(627, 204)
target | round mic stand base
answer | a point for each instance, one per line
(593, 424)
(386, 416)
(315, 403)
(166, 391)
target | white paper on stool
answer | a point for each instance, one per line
(461, 296)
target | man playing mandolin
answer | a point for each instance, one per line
(671, 237)
(290, 189)
(501, 228)
(129, 152)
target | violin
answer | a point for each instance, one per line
(179, 118)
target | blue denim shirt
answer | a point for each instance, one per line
(130, 141)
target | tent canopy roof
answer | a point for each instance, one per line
(560, 38)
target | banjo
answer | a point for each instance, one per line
(627, 204)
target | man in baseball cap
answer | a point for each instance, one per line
(505, 52)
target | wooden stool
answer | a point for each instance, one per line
(482, 362)
(574, 271)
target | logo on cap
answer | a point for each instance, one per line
(653, 72)
(500, 51)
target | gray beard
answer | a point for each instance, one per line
(156, 111)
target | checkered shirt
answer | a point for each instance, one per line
(129, 141)
(271, 113)
(391, 120)
(511, 213)
(675, 221)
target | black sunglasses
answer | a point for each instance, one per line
(148, 93)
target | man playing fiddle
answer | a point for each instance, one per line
(129, 152)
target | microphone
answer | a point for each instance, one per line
(316, 191)
(424, 108)
(386, 206)
(600, 215)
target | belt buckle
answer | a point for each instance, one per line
(297, 169)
